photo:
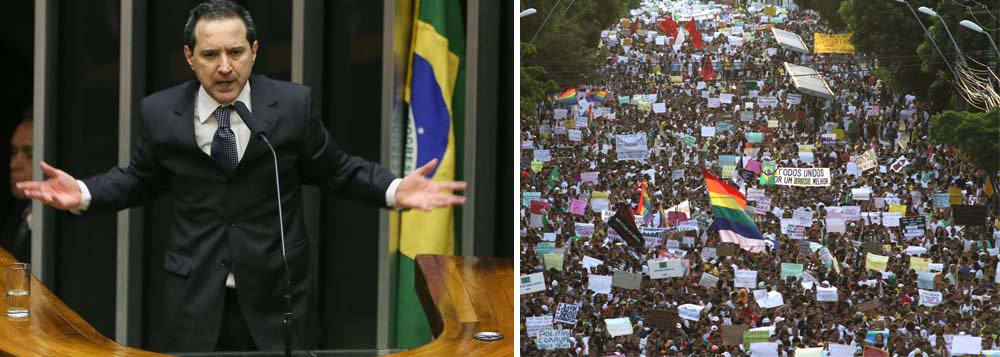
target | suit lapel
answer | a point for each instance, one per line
(183, 125)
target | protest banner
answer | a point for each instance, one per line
(600, 284)
(553, 339)
(665, 321)
(968, 215)
(532, 283)
(577, 207)
(803, 177)
(832, 43)
(566, 313)
(707, 131)
(929, 298)
(745, 279)
(770, 299)
(575, 135)
(966, 345)
(631, 147)
(690, 312)
(541, 155)
(839, 350)
(591, 177)
(665, 269)
(585, 230)
(913, 226)
(876, 262)
(755, 336)
(920, 265)
(732, 335)
(537, 323)
(677, 174)
(826, 294)
(619, 327)
(708, 280)
(590, 262)
(941, 200)
(867, 161)
(553, 261)
(791, 270)
(626, 280)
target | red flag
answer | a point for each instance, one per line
(707, 72)
(635, 25)
(669, 27)
(692, 29)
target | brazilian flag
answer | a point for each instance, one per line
(435, 92)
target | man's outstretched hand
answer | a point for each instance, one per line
(417, 191)
(59, 190)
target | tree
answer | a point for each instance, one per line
(976, 135)
(565, 52)
(827, 10)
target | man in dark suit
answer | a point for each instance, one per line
(225, 278)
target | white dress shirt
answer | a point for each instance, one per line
(205, 126)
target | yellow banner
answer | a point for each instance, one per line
(553, 261)
(876, 262)
(536, 166)
(832, 43)
(920, 265)
(898, 208)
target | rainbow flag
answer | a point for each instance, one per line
(435, 92)
(733, 224)
(663, 217)
(568, 96)
(597, 96)
(645, 208)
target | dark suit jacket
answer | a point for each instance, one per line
(227, 221)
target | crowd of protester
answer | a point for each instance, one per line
(862, 115)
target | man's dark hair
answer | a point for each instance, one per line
(218, 10)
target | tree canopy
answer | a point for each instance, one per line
(977, 135)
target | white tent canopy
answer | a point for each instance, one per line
(790, 40)
(807, 81)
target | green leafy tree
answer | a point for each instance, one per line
(827, 10)
(565, 51)
(976, 135)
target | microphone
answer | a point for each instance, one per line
(251, 123)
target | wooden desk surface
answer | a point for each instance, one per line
(462, 296)
(52, 329)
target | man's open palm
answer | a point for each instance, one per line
(417, 191)
(59, 190)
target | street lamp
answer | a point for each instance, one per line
(946, 63)
(529, 11)
(972, 26)
(927, 11)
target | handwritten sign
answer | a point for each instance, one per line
(619, 327)
(929, 298)
(690, 312)
(553, 339)
(826, 294)
(745, 279)
(566, 313)
(600, 284)
(538, 323)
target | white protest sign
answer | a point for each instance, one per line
(690, 312)
(585, 230)
(966, 345)
(631, 146)
(532, 283)
(600, 284)
(560, 113)
(589, 262)
(745, 279)
(542, 155)
(771, 299)
(706, 131)
(929, 298)
(665, 269)
(708, 280)
(803, 177)
(839, 350)
(826, 294)
(794, 98)
(619, 327)
(575, 135)
(537, 323)
(591, 177)
(659, 108)
(764, 349)
(553, 339)
(549, 237)
(899, 164)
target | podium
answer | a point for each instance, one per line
(460, 295)
(53, 329)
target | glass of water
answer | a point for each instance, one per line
(18, 290)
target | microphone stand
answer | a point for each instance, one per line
(248, 119)
(289, 316)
